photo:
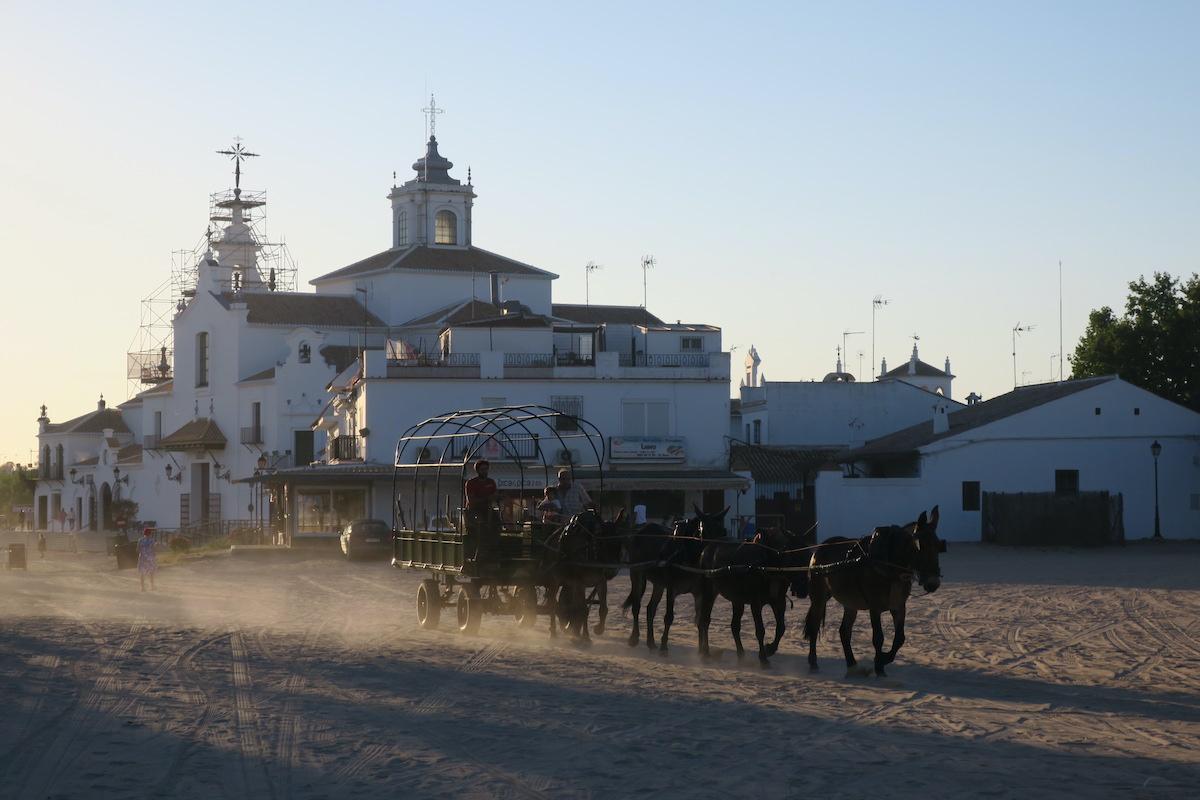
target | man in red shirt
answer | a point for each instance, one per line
(481, 489)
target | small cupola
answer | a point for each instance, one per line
(434, 167)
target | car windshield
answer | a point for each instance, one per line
(370, 528)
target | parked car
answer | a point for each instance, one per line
(367, 538)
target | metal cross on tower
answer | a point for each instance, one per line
(238, 154)
(431, 117)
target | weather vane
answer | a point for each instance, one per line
(431, 117)
(238, 154)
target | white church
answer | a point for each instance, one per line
(282, 409)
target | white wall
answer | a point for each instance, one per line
(1021, 453)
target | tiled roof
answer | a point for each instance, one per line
(437, 259)
(266, 375)
(507, 321)
(927, 370)
(964, 419)
(779, 464)
(297, 308)
(199, 433)
(95, 422)
(113, 442)
(130, 454)
(600, 315)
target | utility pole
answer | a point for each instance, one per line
(647, 264)
(876, 305)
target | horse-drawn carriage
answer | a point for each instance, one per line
(484, 557)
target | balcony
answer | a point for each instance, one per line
(252, 435)
(438, 360)
(345, 448)
(50, 472)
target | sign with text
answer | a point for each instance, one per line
(647, 448)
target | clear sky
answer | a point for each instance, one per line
(785, 163)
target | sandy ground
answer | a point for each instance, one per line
(1029, 674)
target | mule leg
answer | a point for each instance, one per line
(760, 633)
(601, 607)
(897, 634)
(582, 612)
(668, 618)
(704, 608)
(845, 629)
(735, 627)
(552, 609)
(813, 621)
(637, 586)
(877, 640)
(652, 609)
(779, 607)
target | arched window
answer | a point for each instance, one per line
(445, 228)
(402, 229)
(45, 465)
(202, 359)
(58, 457)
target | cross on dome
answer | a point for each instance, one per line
(431, 113)
(238, 154)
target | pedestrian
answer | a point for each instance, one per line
(549, 510)
(147, 562)
(21, 519)
(42, 544)
(573, 497)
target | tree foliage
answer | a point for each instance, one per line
(1154, 345)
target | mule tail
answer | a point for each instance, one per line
(814, 621)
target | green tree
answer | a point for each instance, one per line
(1155, 345)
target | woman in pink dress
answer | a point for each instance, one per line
(147, 564)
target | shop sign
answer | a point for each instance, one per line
(647, 448)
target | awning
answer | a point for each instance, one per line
(660, 479)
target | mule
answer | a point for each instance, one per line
(743, 577)
(872, 574)
(568, 570)
(681, 547)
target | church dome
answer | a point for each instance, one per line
(838, 377)
(434, 167)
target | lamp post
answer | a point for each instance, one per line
(1155, 450)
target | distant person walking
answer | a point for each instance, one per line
(21, 519)
(147, 563)
(42, 544)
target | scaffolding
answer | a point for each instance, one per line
(150, 358)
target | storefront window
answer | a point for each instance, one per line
(328, 510)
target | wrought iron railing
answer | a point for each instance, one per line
(574, 360)
(529, 359)
(443, 360)
(50, 472)
(252, 435)
(664, 360)
(344, 448)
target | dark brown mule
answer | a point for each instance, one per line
(872, 574)
(655, 555)
(569, 570)
(743, 573)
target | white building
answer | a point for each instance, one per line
(1060, 439)
(473, 329)
(246, 375)
(444, 325)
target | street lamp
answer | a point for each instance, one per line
(1155, 450)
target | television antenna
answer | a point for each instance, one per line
(844, 351)
(648, 263)
(876, 305)
(588, 269)
(1016, 331)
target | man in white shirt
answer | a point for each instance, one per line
(571, 496)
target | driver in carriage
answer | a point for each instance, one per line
(480, 494)
(573, 498)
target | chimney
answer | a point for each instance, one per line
(941, 420)
(883, 366)
(947, 365)
(494, 283)
(100, 406)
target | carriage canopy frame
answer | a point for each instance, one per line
(459, 438)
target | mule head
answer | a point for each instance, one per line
(712, 526)
(929, 547)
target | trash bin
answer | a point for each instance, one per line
(127, 555)
(116, 541)
(16, 556)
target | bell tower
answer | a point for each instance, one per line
(432, 208)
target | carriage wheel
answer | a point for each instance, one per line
(527, 606)
(470, 609)
(429, 604)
